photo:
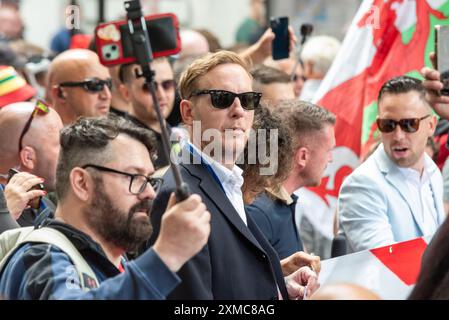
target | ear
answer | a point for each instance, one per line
(187, 113)
(28, 159)
(82, 184)
(57, 93)
(123, 89)
(308, 69)
(302, 156)
(433, 124)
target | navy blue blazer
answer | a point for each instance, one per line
(237, 262)
(276, 220)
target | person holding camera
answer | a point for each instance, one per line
(29, 143)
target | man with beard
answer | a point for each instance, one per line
(397, 193)
(105, 191)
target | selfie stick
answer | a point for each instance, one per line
(144, 55)
(305, 31)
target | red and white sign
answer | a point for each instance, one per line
(389, 271)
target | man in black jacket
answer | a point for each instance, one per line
(237, 262)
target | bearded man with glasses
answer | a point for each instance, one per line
(396, 194)
(238, 262)
(105, 192)
(79, 85)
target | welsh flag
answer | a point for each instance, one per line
(387, 38)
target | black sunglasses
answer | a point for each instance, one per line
(166, 85)
(138, 182)
(407, 125)
(93, 85)
(223, 99)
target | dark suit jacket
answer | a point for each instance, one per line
(238, 262)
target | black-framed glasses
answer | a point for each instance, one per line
(407, 125)
(167, 85)
(223, 99)
(138, 182)
(40, 108)
(93, 85)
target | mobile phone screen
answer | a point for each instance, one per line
(442, 55)
(161, 31)
(281, 42)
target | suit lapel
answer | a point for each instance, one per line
(216, 194)
(397, 180)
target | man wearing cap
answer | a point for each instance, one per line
(79, 85)
(13, 88)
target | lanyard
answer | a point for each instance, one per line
(208, 167)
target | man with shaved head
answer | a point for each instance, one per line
(29, 143)
(79, 85)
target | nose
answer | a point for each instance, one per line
(147, 193)
(398, 133)
(160, 92)
(105, 94)
(236, 109)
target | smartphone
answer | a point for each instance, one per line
(34, 203)
(281, 41)
(442, 56)
(113, 40)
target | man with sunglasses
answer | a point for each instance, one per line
(105, 193)
(79, 85)
(238, 262)
(396, 194)
(29, 142)
(137, 92)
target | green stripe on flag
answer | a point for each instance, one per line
(369, 117)
(407, 35)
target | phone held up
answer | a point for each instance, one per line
(281, 41)
(442, 56)
(114, 43)
(34, 203)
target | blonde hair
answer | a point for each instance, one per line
(201, 66)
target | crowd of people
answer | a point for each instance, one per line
(87, 202)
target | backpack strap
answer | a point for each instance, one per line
(87, 277)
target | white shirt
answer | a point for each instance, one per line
(420, 185)
(231, 181)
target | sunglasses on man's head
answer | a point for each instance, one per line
(166, 85)
(40, 108)
(91, 85)
(223, 99)
(407, 125)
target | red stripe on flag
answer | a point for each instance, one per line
(403, 259)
